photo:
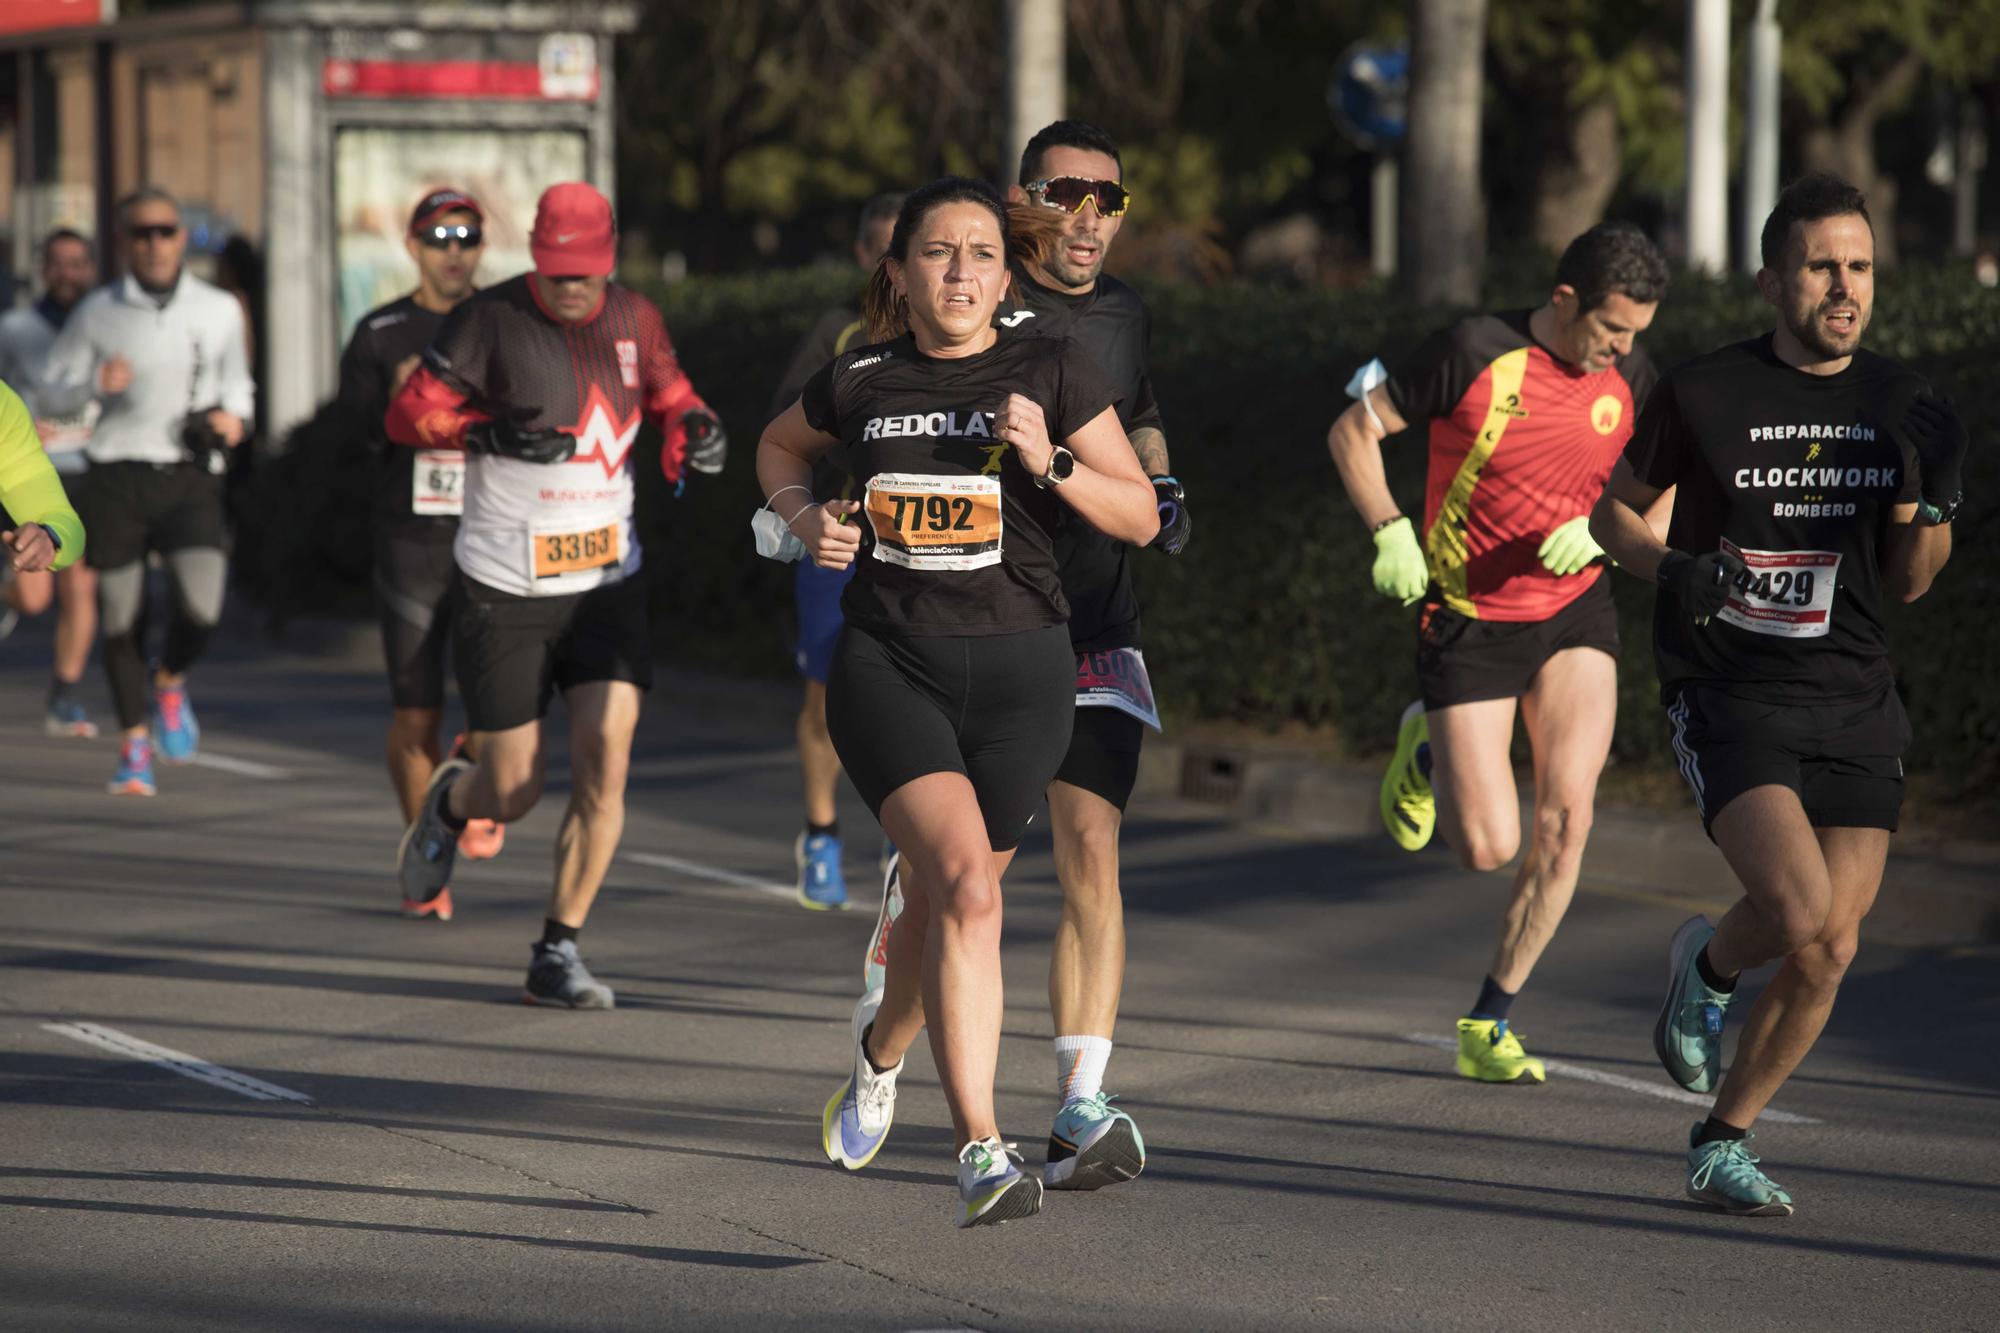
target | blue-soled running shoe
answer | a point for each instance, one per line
(1724, 1174)
(1688, 1035)
(67, 718)
(857, 1118)
(135, 769)
(557, 976)
(875, 963)
(991, 1185)
(1092, 1145)
(174, 726)
(822, 885)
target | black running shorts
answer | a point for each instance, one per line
(1103, 756)
(1844, 760)
(996, 708)
(1462, 660)
(130, 509)
(513, 653)
(415, 583)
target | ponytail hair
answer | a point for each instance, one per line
(1030, 235)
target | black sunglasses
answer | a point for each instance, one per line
(1069, 193)
(153, 231)
(440, 237)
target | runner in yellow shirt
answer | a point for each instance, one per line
(42, 531)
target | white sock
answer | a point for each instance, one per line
(1080, 1063)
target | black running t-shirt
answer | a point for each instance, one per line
(385, 338)
(1798, 475)
(1111, 323)
(956, 539)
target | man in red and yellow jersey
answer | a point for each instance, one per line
(1527, 412)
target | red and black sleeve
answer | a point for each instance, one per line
(669, 393)
(434, 406)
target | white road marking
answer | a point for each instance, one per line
(700, 871)
(180, 1062)
(246, 768)
(1610, 1080)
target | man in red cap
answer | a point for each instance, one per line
(418, 497)
(542, 382)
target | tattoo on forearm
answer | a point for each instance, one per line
(1151, 446)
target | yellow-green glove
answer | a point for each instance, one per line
(1569, 548)
(1399, 563)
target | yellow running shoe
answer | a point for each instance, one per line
(1489, 1051)
(1409, 811)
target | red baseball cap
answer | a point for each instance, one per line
(575, 234)
(440, 202)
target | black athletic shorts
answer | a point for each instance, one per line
(1103, 756)
(1844, 760)
(131, 509)
(996, 708)
(513, 653)
(1462, 660)
(415, 587)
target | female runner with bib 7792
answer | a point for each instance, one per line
(953, 687)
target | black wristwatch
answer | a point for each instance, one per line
(55, 538)
(1937, 515)
(1062, 463)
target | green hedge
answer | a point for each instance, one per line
(1268, 618)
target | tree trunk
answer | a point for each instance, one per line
(1035, 83)
(1847, 147)
(1578, 177)
(1444, 213)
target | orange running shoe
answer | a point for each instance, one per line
(438, 907)
(482, 839)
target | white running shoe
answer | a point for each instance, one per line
(875, 965)
(857, 1118)
(992, 1187)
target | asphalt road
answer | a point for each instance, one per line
(429, 1153)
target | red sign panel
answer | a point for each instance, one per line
(502, 80)
(34, 15)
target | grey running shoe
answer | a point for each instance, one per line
(429, 848)
(1688, 1035)
(557, 976)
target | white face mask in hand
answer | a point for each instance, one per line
(775, 540)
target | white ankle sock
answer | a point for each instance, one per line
(1080, 1063)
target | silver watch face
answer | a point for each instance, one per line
(1061, 463)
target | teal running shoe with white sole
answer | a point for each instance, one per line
(1688, 1035)
(1093, 1145)
(857, 1118)
(992, 1188)
(1724, 1174)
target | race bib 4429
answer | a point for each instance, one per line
(1787, 594)
(928, 522)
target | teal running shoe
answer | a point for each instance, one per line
(992, 1188)
(822, 884)
(1724, 1175)
(1688, 1035)
(1092, 1146)
(174, 727)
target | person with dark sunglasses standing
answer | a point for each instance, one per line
(1073, 170)
(542, 382)
(163, 355)
(419, 495)
(950, 697)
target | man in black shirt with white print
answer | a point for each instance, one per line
(1812, 479)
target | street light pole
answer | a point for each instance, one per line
(1034, 75)
(1708, 135)
(1760, 132)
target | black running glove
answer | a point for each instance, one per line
(502, 439)
(1939, 436)
(707, 441)
(1174, 521)
(1702, 582)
